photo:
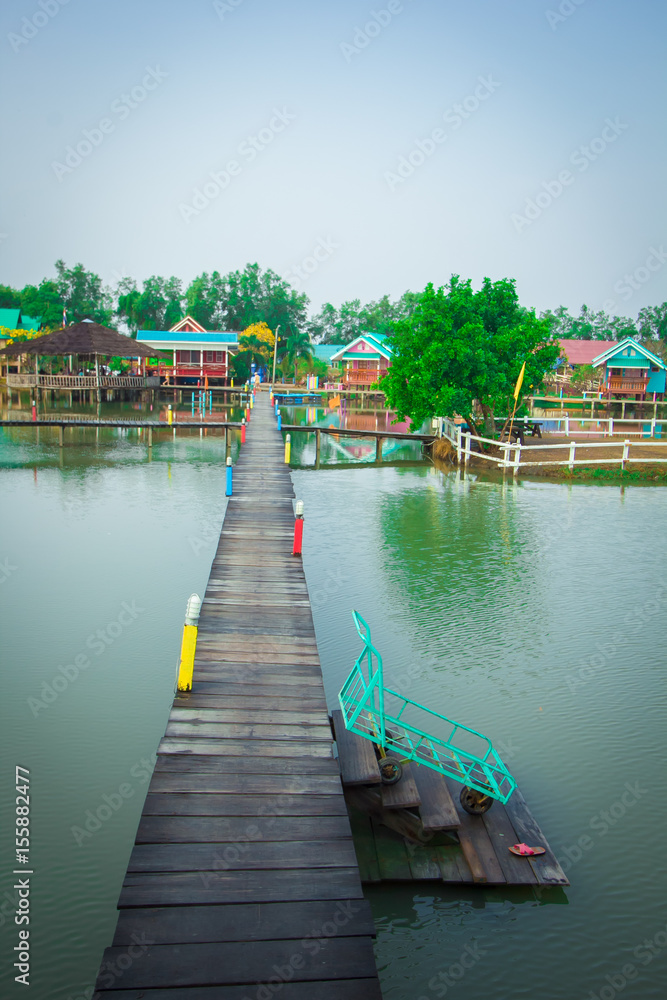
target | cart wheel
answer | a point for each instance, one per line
(390, 771)
(475, 802)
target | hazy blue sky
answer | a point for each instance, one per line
(547, 164)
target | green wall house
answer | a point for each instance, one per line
(630, 369)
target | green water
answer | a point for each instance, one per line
(534, 612)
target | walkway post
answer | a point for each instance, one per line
(228, 491)
(189, 643)
(243, 431)
(280, 420)
(298, 529)
(288, 448)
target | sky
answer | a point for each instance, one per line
(356, 148)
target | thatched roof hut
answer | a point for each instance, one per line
(83, 338)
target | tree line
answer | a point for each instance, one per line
(240, 299)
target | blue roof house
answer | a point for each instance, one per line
(630, 369)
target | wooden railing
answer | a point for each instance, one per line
(362, 376)
(28, 381)
(626, 385)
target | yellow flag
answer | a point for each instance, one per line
(517, 387)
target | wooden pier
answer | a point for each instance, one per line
(243, 881)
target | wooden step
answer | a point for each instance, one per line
(404, 794)
(358, 763)
(437, 810)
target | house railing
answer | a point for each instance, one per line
(626, 385)
(362, 376)
(27, 381)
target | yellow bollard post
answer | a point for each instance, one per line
(189, 643)
(288, 448)
(170, 415)
(252, 400)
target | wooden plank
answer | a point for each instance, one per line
(243, 748)
(166, 782)
(203, 804)
(358, 763)
(244, 922)
(242, 962)
(203, 764)
(449, 869)
(235, 731)
(403, 794)
(247, 855)
(392, 854)
(195, 699)
(517, 871)
(250, 716)
(232, 829)
(479, 851)
(437, 810)
(546, 867)
(364, 845)
(191, 888)
(339, 989)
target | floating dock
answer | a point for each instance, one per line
(417, 829)
(243, 880)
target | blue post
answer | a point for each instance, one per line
(193, 404)
(280, 421)
(228, 491)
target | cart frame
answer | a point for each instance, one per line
(364, 703)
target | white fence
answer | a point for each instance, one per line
(513, 456)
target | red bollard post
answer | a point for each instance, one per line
(243, 432)
(298, 529)
(34, 410)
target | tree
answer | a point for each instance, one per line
(83, 294)
(44, 302)
(10, 298)
(652, 322)
(204, 300)
(298, 346)
(461, 346)
(158, 307)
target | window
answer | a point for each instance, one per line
(188, 357)
(214, 356)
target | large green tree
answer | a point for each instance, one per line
(239, 299)
(460, 347)
(157, 307)
(652, 322)
(83, 293)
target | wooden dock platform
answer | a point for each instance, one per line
(418, 830)
(243, 880)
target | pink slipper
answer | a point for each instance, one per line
(523, 850)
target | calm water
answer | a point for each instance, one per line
(534, 612)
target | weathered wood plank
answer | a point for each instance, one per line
(244, 922)
(190, 888)
(245, 784)
(339, 989)
(358, 763)
(235, 731)
(243, 748)
(203, 764)
(437, 810)
(246, 962)
(233, 829)
(247, 855)
(212, 804)
(403, 794)
(546, 867)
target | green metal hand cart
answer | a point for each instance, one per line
(415, 733)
